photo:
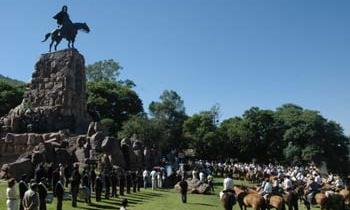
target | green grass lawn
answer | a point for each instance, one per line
(145, 200)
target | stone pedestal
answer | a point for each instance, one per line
(56, 96)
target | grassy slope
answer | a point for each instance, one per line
(145, 200)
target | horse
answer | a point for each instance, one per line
(245, 199)
(227, 199)
(57, 35)
(291, 200)
(333, 201)
(274, 201)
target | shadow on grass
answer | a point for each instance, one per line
(201, 204)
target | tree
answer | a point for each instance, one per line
(113, 100)
(169, 114)
(145, 129)
(200, 130)
(10, 96)
(106, 70)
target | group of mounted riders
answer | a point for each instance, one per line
(279, 187)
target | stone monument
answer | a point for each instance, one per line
(55, 98)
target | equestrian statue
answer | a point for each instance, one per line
(66, 29)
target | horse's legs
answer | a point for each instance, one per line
(51, 45)
(68, 43)
(73, 43)
(57, 42)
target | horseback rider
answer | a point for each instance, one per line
(266, 190)
(313, 187)
(62, 15)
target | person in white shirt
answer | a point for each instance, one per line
(318, 179)
(202, 177)
(287, 184)
(338, 183)
(159, 179)
(12, 196)
(145, 175)
(124, 204)
(228, 185)
(154, 179)
(267, 190)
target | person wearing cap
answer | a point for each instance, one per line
(59, 189)
(42, 190)
(124, 204)
(23, 187)
(31, 197)
(11, 194)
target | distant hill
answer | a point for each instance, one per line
(13, 82)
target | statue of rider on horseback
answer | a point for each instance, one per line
(66, 29)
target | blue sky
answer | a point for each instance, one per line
(238, 53)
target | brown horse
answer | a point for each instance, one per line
(275, 201)
(291, 200)
(228, 200)
(246, 199)
(333, 201)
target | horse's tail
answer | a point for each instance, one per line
(46, 37)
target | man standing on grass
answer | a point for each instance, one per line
(145, 176)
(23, 187)
(59, 189)
(31, 197)
(184, 187)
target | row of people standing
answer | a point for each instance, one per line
(107, 181)
(154, 178)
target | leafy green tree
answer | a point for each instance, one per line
(113, 100)
(146, 130)
(10, 96)
(106, 70)
(169, 114)
(200, 131)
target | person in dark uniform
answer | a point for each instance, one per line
(107, 182)
(75, 185)
(55, 179)
(23, 187)
(39, 173)
(121, 183)
(67, 174)
(98, 188)
(42, 191)
(114, 182)
(92, 177)
(139, 180)
(86, 184)
(184, 186)
(59, 189)
(128, 182)
(49, 176)
(134, 181)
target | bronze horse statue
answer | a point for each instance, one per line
(57, 35)
(68, 29)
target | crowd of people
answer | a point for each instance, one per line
(74, 182)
